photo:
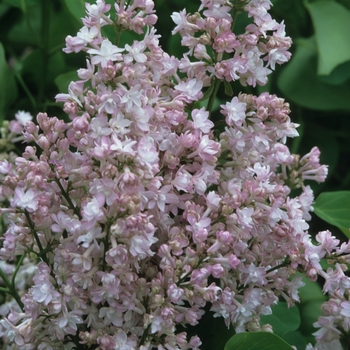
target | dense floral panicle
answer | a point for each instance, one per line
(140, 214)
(264, 43)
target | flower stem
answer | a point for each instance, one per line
(19, 264)
(145, 334)
(212, 97)
(65, 195)
(26, 89)
(283, 264)
(36, 237)
(106, 245)
(11, 285)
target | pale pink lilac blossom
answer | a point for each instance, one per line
(141, 214)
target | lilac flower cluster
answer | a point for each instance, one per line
(138, 214)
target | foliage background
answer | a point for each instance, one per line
(316, 83)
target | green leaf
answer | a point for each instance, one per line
(228, 89)
(310, 292)
(339, 75)
(311, 300)
(296, 338)
(256, 341)
(8, 86)
(58, 33)
(56, 66)
(285, 322)
(310, 312)
(3, 9)
(334, 208)
(283, 319)
(31, 69)
(26, 33)
(19, 4)
(331, 22)
(76, 8)
(174, 47)
(63, 80)
(299, 81)
(212, 331)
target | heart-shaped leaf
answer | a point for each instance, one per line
(331, 22)
(283, 319)
(257, 341)
(8, 86)
(301, 84)
(334, 208)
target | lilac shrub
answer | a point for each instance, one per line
(137, 214)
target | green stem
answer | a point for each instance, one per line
(212, 97)
(144, 335)
(11, 287)
(106, 245)
(65, 195)
(5, 279)
(36, 237)
(4, 290)
(283, 264)
(236, 8)
(17, 298)
(26, 90)
(19, 264)
(189, 273)
(118, 30)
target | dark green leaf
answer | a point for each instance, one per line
(310, 292)
(310, 313)
(338, 76)
(300, 83)
(58, 32)
(56, 66)
(256, 341)
(76, 8)
(212, 331)
(174, 46)
(63, 80)
(32, 67)
(331, 22)
(334, 208)
(8, 86)
(282, 319)
(296, 338)
(27, 32)
(19, 4)
(3, 9)
(228, 89)
(311, 299)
